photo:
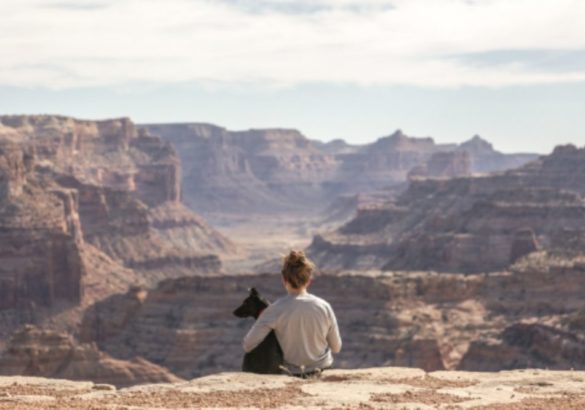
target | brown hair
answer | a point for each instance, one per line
(297, 269)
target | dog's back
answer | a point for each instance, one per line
(267, 357)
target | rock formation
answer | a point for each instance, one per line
(485, 159)
(374, 388)
(44, 353)
(524, 317)
(276, 170)
(444, 164)
(526, 346)
(187, 326)
(125, 188)
(471, 224)
(256, 170)
(40, 236)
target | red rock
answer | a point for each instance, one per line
(119, 176)
(44, 353)
(281, 171)
(466, 224)
(40, 236)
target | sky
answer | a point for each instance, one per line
(512, 71)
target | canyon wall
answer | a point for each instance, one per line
(88, 208)
(43, 353)
(467, 224)
(40, 235)
(524, 317)
(280, 170)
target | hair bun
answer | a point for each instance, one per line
(296, 258)
(297, 268)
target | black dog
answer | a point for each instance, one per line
(267, 357)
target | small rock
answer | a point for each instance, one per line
(103, 386)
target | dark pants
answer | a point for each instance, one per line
(311, 374)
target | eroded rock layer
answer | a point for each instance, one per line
(40, 235)
(520, 318)
(471, 224)
(279, 170)
(36, 352)
(125, 193)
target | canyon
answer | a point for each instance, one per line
(267, 171)
(467, 224)
(496, 321)
(440, 257)
(103, 185)
(88, 208)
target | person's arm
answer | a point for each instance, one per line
(263, 325)
(333, 336)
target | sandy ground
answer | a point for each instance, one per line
(379, 388)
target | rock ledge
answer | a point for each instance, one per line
(375, 388)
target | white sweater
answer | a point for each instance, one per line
(305, 327)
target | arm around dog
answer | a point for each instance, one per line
(263, 325)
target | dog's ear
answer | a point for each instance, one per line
(253, 292)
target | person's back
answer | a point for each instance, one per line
(305, 325)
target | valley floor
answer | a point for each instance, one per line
(263, 240)
(375, 388)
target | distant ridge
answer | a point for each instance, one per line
(280, 170)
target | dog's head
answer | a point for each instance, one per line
(252, 306)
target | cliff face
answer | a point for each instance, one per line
(473, 224)
(88, 208)
(484, 158)
(256, 170)
(40, 236)
(124, 182)
(110, 153)
(43, 353)
(444, 165)
(167, 240)
(277, 170)
(521, 318)
(187, 326)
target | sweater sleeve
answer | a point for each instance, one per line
(333, 336)
(263, 325)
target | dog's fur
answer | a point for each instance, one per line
(267, 357)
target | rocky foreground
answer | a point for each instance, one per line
(376, 388)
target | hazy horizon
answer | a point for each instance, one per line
(512, 71)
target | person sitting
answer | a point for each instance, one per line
(305, 325)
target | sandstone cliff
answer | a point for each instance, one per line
(524, 317)
(187, 326)
(126, 189)
(471, 224)
(40, 235)
(36, 352)
(486, 159)
(281, 171)
(88, 208)
(444, 164)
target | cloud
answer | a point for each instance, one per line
(76, 5)
(309, 6)
(427, 43)
(559, 61)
